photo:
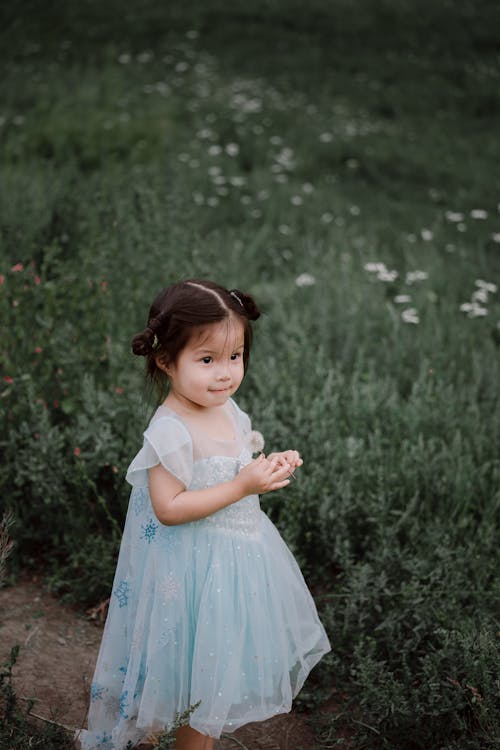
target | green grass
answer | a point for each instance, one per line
(362, 130)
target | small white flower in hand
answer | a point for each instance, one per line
(255, 441)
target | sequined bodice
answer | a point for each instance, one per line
(242, 516)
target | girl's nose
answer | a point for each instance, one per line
(223, 373)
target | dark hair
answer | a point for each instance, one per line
(178, 310)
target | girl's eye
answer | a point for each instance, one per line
(206, 360)
(236, 355)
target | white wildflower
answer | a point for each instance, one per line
(387, 275)
(214, 150)
(400, 299)
(144, 57)
(427, 235)
(213, 201)
(375, 267)
(181, 67)
(413, 276)
(232, 149)
(473, 310)
(480, 295)
(327, 217)
(496, 237)
(296, 200)
(237, 181)
(124, 58)
(307, 188)
(198, 199)
(284, 229)
(479, 213)
(326, 137)
(410, 315)
(487, 285)
(255, 441)
(462, 227)
(478, 311)
(305, 279)
(454, 216)
(205, 134)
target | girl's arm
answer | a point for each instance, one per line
(173, 504)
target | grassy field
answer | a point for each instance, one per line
(340, 162)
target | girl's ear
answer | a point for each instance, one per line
(162, 364)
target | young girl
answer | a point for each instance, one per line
(208, 605)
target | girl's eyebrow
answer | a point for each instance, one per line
(202, 350)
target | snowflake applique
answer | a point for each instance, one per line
(96, 692)
(122, 593)
(149, 531)
(124, 704)
(140, 501)
(169, 588)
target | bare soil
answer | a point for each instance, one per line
(58, 651)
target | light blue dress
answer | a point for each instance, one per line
(215, 610)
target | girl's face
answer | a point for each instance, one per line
(210, 367)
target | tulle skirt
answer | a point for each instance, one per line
(206, 616)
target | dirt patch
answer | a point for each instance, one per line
(58, 651)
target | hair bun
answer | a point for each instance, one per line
(248, 303)
(142, 343)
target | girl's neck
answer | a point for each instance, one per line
(214, 421)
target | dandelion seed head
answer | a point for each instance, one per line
(256, 441)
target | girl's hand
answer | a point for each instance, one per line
(263, 475)
(292, 458)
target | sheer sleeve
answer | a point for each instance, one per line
(242, 419)
(166, 442)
